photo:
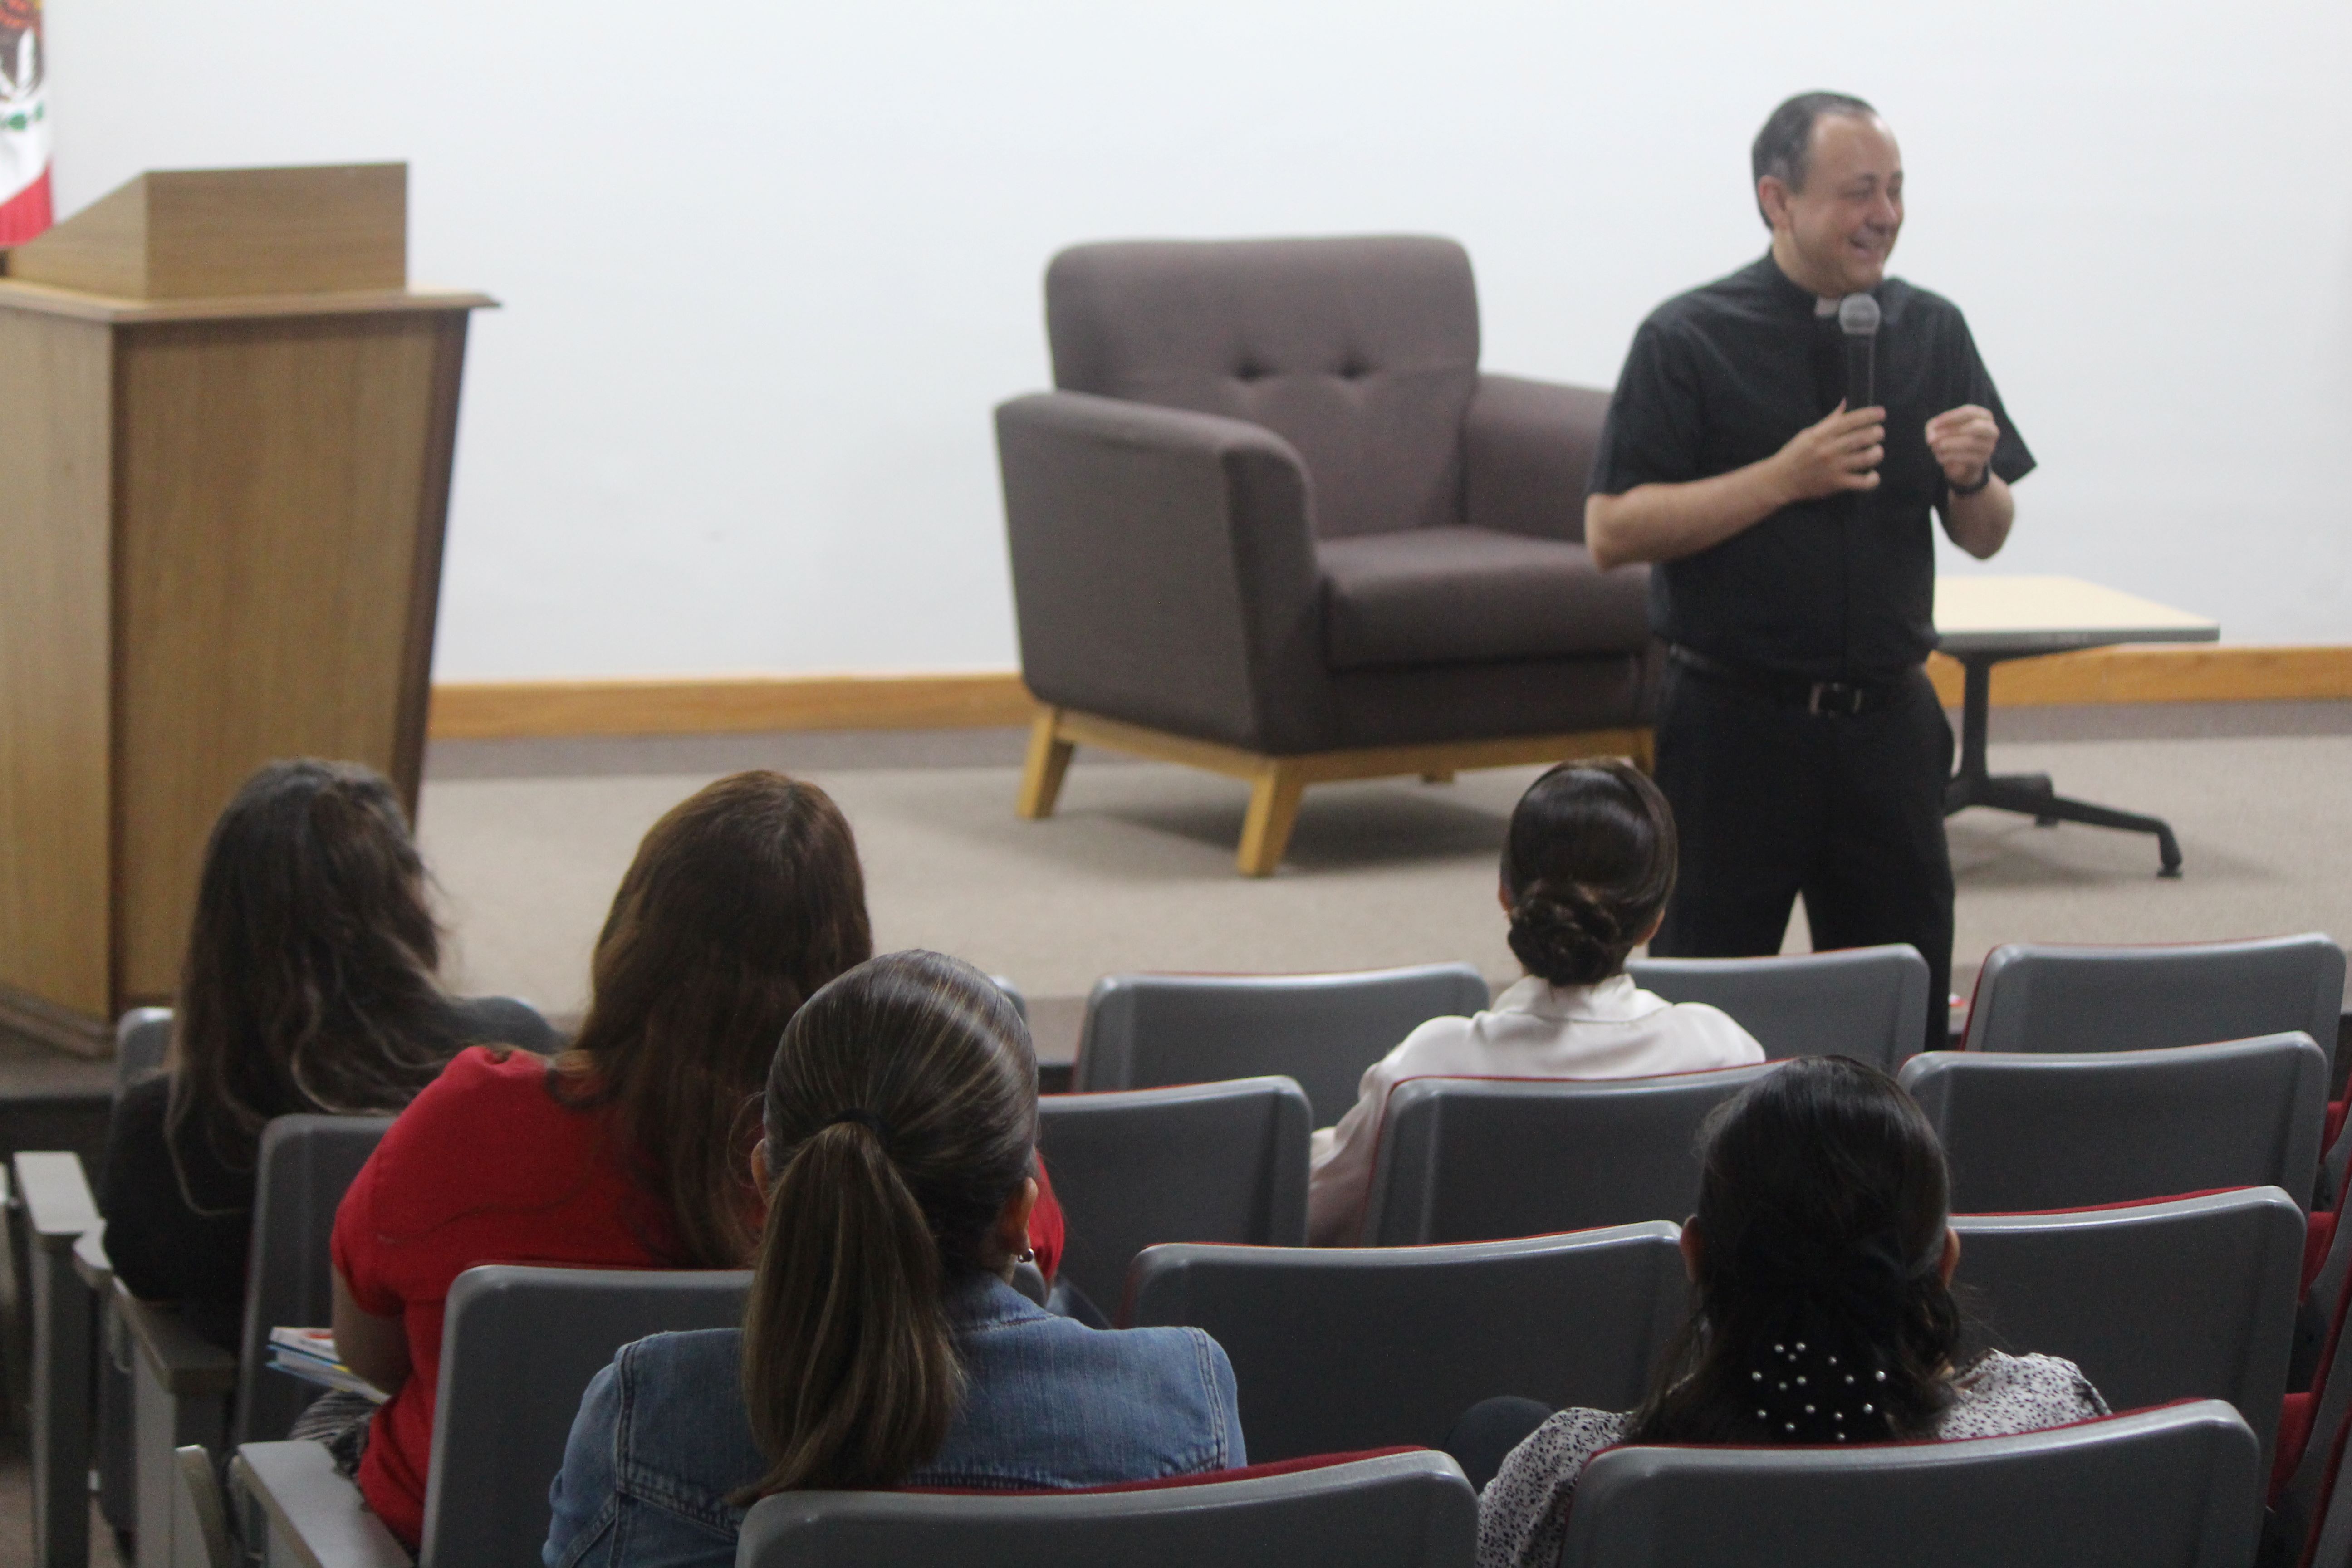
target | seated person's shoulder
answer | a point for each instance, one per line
(1714, 1035)
(2004, 1394)
(504, 1021)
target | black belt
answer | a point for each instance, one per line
(1829, 698)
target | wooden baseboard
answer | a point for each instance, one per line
(728, 704)
(466, 710)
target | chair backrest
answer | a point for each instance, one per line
(1342, 1348)
(141, 1036)
(2192, 1299)
(1013, 993)
(306, 1164)
(2176, 1487)
(1397, 1510)
(2033, 998)
(1214, 1162)
(1361, 353)
(1867, 1003)
(2041, 1131)
(1464, 1159)
(518, 1348)
(1323, 1030)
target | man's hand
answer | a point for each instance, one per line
(1841, 453)
(1962, 439)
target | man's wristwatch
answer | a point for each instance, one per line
(1984, 477)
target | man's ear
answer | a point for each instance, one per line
(1691, 1248)
(1772, 195)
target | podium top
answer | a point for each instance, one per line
(228, 233)
(43, 300)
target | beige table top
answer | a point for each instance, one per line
(2020, 616)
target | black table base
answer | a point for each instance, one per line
(2029, 795)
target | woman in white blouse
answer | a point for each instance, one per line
(1587, 866)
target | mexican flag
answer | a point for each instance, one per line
(23, 124)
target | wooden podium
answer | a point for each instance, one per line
(227, 426)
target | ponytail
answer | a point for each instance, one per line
(849, 1371)
(901, 1118)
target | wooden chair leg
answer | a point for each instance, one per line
(1049, 759)
(1272, 811)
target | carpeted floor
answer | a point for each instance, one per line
(529, 838)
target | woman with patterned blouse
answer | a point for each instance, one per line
(1821, 1261)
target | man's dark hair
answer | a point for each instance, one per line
(1785, 146)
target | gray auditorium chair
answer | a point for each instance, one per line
(1323, 1030)
(199, 1520)
(2044, 1130)
(1275, 523)
(1867, 1003)
(519, 1350)
(2035, 997)
(2189, 1299)
(1337, 1350)
(1464, 1159)
(142, 1036)
(185, 1389)
(1214, 1162)
(2176, 1487)
(1398, 1511)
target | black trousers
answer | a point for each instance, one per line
(1771, 802)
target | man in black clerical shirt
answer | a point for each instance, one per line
(1798, 737)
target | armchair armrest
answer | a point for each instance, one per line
(314, 1517)
(1528, 447)
(1163, 568)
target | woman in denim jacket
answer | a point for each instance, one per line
(883, 1345)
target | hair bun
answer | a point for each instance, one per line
(1568, 935)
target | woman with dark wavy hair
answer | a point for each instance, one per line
(309, 984)
(1821, 1261)
(1587, 866)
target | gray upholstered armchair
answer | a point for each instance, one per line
(1276, 522)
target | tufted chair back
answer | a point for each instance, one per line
(1360, 352)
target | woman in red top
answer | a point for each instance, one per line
(627, 1151)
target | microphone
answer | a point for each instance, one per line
(1858, 318)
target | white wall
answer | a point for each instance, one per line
(766, 268)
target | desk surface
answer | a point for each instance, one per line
(2019, 615)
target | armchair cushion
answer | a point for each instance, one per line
(1454, 596)
(1362, 354)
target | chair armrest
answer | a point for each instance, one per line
(89, 1260)
(1163, 569)
(59, 1207)
(186, 1364)
(1528, 447)
(315, 1517)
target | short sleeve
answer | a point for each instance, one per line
(355, 1247)
(1523, 1512)
(2010, 458)
(1047, 1229)
(1651, 434)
